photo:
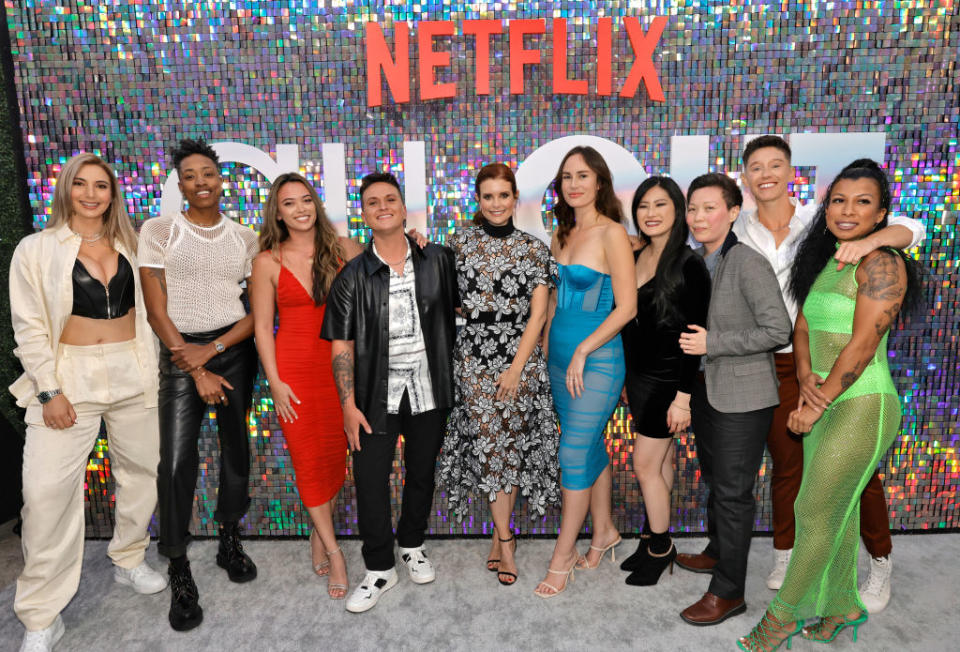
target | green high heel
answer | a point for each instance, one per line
(813, 632)
(762, 638)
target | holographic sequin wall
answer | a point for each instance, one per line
(126, 80)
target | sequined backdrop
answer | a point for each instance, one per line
(125, 80)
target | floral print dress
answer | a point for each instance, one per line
(492, 445)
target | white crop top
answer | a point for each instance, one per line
(204, 267)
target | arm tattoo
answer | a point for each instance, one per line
(886, 319)
(883, 278)
(851, 376)
(343, 375)
(161, 276)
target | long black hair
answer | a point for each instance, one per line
(668, 278)
(820, 244)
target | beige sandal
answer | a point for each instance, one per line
(334, 588)
(570, 577)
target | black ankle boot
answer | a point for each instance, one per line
(634, 561)
(230, 556)
(652, 566)
(185, 611)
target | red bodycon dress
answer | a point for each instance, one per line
(318, 446)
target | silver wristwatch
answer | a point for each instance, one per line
(218, 345)
(47, 396)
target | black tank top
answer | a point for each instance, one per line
(94, 300)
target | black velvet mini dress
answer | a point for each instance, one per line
(656, 366)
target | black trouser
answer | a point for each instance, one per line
(730, 450)
(372, 464)
(181, 413)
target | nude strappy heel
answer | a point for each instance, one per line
(333, 587)
(570, 577)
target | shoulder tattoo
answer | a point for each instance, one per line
(883, 278)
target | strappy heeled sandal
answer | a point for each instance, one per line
(334, 587)
(763, 637)
(839, 623)
(569, 575)
(507, 573)
(613, 555)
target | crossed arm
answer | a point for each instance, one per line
(882, 283)
(188, 357)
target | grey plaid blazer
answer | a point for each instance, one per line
(746, 322)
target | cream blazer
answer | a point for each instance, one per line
(41, 301)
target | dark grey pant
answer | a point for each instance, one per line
(730, 450)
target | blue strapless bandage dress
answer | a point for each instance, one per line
(584, 300)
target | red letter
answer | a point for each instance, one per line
(604, 41)
(482, 29)
(562, 83)
(430, 59)
(643, 68)
(519, 57)
(378, 57)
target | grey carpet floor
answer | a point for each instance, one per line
(286, 607)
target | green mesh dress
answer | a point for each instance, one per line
(839, 456)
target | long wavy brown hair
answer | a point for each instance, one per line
(328, 254)
(116, 222)
(606, 202)
(492, 171)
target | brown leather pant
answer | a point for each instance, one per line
(786, 450)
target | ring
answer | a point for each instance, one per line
(222, 397)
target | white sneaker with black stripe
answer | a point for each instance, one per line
(420, 568)
(374, 584)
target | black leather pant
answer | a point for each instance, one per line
(181, 414)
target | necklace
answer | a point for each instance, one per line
(89, 240)
(186, 216)
(779, 228)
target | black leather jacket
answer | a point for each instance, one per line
(357, 309)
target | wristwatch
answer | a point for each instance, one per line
(218, 345)
(47, 396)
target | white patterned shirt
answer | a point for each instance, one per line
(408, 367)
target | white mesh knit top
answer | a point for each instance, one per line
(204, 267)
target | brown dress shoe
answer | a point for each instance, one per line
(710, 610)
(699, 563)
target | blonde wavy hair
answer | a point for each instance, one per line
(116, 221)
(328, 254)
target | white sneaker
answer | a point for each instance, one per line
(45, 639)
(374, 584)
(420, 568)
(781, 561)
(141, 579)
(875, 593)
